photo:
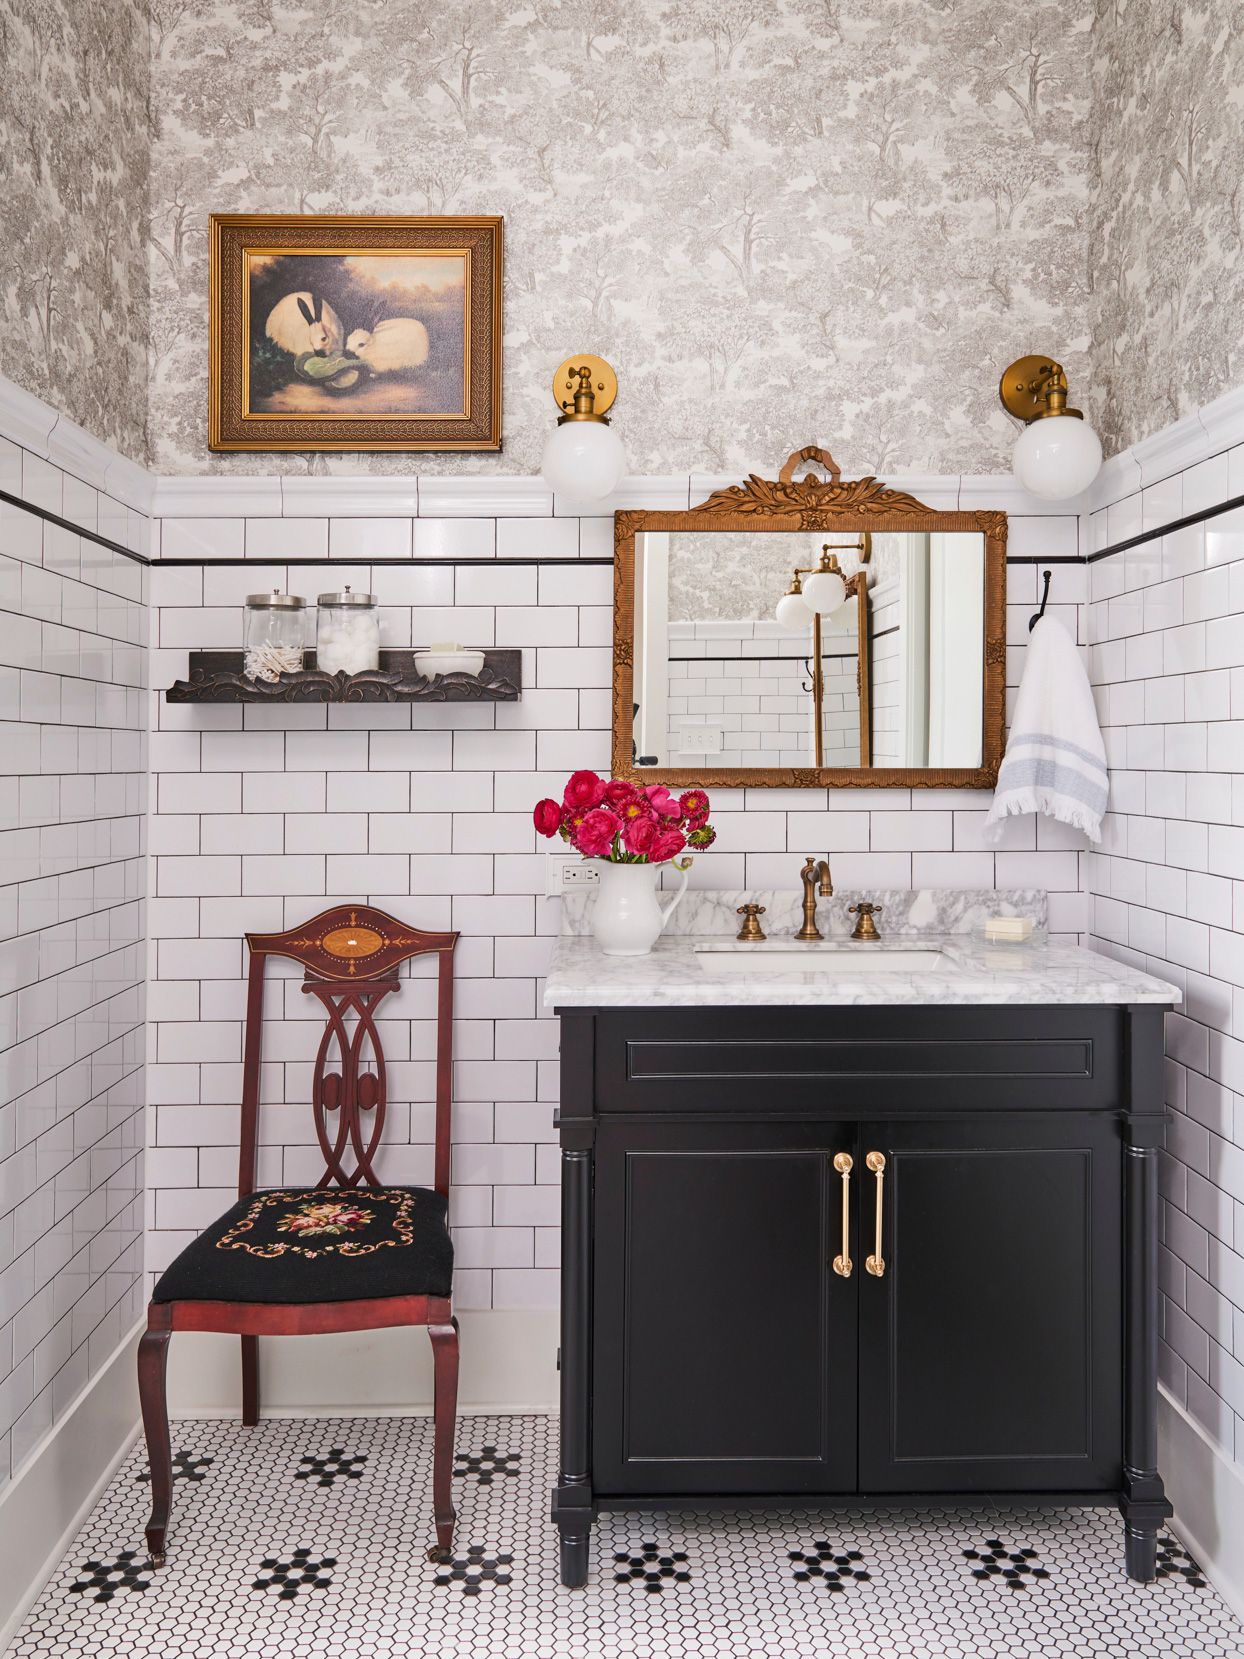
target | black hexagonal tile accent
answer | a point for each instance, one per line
(186, 1466)
(472, 1571)
(1018, 1568)
(336, 1464)
(830, 1565)
(1175, 1562)
(486, 1463)
(289, 1576)
(131, 1570)
(652, 1569)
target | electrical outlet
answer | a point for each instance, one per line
(567, 873)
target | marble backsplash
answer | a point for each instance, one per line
(711, 912)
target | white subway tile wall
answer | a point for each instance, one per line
(1166, 633)
(73, 774)
(262, 816)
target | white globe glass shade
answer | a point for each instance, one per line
(1057, 457)
(792, 614)
(584, 459)
(824, 591)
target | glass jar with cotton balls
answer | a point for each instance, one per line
(347, 633)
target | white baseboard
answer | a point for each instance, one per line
(509, 1364)
(61, 1482)
(1207, 1490)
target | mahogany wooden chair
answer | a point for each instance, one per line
(299, 1261)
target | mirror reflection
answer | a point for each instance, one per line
(763, 650)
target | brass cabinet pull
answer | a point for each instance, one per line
(844, 1163)
(875, 1263)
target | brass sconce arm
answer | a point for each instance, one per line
(1033, 388)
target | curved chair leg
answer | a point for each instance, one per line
(445, 1411)
(152, 1364)
(250, 1380)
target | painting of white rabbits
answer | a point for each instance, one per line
(373, 334)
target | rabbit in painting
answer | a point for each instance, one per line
(305, 324)
(387, 344)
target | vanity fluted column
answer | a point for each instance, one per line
(572, 1497)
(1144, 1503)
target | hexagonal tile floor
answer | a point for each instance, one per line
(309, 1539)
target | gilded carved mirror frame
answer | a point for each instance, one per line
(846, 506)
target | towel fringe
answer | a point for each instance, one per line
(1045, 801)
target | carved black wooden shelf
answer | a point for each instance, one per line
(217, 677)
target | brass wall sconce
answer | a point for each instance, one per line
(824, 591)
(1058, 454)
(583, 456)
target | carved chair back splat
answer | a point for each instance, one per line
(351, 955)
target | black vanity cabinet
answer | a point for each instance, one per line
(859, 1255)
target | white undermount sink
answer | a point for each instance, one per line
(841, 960)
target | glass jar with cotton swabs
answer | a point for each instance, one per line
(347, 633)
(273, 635)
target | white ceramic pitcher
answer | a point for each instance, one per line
(627, 918)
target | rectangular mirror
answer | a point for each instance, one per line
(793, 641)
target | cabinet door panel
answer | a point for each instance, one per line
(724, 1342)
(991, 1347)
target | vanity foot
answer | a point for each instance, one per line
(574, 1559)
(1141, 1551)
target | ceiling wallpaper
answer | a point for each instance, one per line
(1168, 191)
(74, 153)
(784, 221)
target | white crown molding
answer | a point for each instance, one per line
(1119, 477)
(491, 497)
(1223, 421)
(641, 492)
(340, 497)
(219, 496)
(37, 427)
(1002, 492)
(1174, 449)
(24, 418)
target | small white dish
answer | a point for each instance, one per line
(435, 660)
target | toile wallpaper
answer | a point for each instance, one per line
(784, 221)
(1167, 265)
(74, 158)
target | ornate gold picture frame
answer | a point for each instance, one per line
(838, 505)
(337, 332)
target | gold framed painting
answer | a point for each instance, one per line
(334, 331)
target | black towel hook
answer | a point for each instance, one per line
(1045, 594)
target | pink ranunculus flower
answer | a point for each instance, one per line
(584, 790)
(619, 793)
(661, 801)
(548, 817)
(638, 834)
(702, 836)
(693, 804)
(666, 844)
(594, 838)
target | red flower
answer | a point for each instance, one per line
(618, 794)
(694, 806)
(548, 817)
(638, 835)
(666, 844)
(594, 838)
(661, 801)
(584, 791)
(703, 835)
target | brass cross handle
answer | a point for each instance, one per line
(865, 927)
(751, 927)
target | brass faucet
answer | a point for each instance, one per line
(865, 927)
(812, 874)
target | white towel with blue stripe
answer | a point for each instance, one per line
(1055, 759)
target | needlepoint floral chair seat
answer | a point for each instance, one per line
(348, 1254)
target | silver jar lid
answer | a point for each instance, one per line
(346, 597)
(275, 601)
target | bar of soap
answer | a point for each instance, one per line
(1009, 929)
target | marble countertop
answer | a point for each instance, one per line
(681, 972)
